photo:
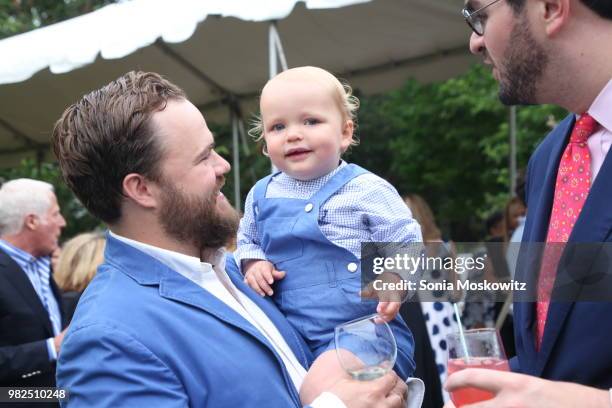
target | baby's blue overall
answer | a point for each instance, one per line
(322, 283)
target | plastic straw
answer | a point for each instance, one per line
(461, 334)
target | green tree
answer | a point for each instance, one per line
(449, 142)
(18, 16)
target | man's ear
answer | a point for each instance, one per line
(554, 14)
(30, 222)
(347, 134)
(141, 190)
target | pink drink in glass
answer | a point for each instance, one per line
(469, 395)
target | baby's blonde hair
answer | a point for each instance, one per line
(79, 260)
(347, 103)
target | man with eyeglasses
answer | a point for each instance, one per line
(558, 52)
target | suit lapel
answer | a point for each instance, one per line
(540, 202)
(593, 225)
(20, 281)
(178, 288)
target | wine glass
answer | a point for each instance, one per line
(366, 347)
(484, 350)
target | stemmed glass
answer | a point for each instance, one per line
(366, 347)
(484, 350)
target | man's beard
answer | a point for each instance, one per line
(196, 220)
(523, 68)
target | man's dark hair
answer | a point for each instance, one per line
(493, 219)
(107, 135)
(602, 7)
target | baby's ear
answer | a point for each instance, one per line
(347, 134)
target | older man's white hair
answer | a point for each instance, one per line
(20, 198)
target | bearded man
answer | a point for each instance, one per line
(166, 322)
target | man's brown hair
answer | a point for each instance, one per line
(107, 135)
(602, 7)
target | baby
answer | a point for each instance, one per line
(300, 238)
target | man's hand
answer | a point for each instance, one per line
(385, 392)
(513, 390)
(57, 340)
(260, 275)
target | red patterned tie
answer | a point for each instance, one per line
(571, 189)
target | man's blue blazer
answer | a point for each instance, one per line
(577, 342)
(145, 336)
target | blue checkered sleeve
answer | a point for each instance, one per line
(247, 244)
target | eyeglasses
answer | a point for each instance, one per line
(474, 19)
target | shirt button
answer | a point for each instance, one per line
(308, 207)
(352, 267)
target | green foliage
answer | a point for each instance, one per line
(449, 142)
(77, 217)
(18, 16)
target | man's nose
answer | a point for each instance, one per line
(476, 44)
(62, 223)
(222, 166)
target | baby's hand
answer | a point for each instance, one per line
(389, 301)
(260, 275)
(388, 310)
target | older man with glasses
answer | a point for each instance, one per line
(555, 51)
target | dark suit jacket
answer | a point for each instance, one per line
(576, 342)
(24, 328)
(71, 300)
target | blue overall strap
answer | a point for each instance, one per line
(339, 180)
(259, 190)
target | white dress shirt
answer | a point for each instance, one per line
(600, 141)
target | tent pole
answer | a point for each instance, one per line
(243, 136)
(279, 46)
(236, 158)
(513, 169)
(272, 60)
(275, 54)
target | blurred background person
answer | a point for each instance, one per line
(77, 265)
(55, 257)
(513, 214)
(516, 237)
(430, 315)
(494, 225)
(30, 303)
(493, 309)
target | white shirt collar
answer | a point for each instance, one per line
(600, 109)
(314, 182)
(188, 266)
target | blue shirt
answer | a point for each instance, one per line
(38, 271)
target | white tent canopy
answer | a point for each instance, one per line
(217, 50)
(221, 52)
